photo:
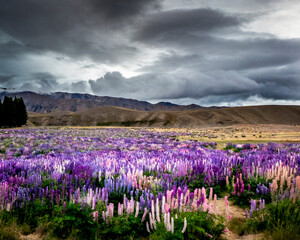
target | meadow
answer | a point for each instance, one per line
(137, 183)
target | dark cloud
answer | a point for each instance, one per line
(230, 85)
(45, 82)
(176, 23)
(86, 28)
(40, 82)
(185, 83)
(4, 79)
(79, 87)
(13, 49)
(189, 52)
(116, 9)
(228, 54)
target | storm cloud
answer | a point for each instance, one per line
(204, 52)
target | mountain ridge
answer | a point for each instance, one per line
(77, 102)
(117, 116)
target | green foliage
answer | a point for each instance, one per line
(200, 225)
(25, 229)
(123, 227)
(284, 219)
(256, 223)
(150, 173)
(242, 200)
(253, 185)
(280, 220)
(75, 220)
(197, 183)
(237, 170)
(98, 183)
(219, 188)
(116, 198)
(161, 232)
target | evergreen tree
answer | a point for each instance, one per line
(21, 113)
(9, 112)
(12, 112)
(1, 114)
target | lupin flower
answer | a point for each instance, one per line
(184, 225)
(64, 208)
(147, 226)
(137, 209)
(210, 194)
(144, 215)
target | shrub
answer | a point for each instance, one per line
(200, 225)
(281, 219)
(75, 220)
(8, 233)
(122, 227)
(284, 219)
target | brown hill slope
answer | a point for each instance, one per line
(110, 116)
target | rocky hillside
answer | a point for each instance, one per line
(75, 102)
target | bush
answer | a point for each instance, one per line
(242, 200)
(281, 220)
(8, 233)
(123, 227)
(200, 224)
(75, 220)
(284, 219)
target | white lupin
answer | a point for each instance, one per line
(137, 209)
(184, 225)
(152, 209)
(168, 223)
(147, 225)
(157, 211)
(163, 204)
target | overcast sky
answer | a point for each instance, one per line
(208, 52)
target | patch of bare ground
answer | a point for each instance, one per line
(33, 236)
(238, 214)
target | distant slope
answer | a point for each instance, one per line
(108, 116)
(75, 102)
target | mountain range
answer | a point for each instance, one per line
(73, 109)
(76, 102)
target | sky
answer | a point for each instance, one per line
(206, 52)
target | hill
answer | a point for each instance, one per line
(116, 116)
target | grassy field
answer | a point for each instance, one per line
(242, 134)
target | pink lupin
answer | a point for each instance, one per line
(210, 194)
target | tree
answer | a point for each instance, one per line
(12, 112)
(21, 113)
(1, 113)
(9, 111)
